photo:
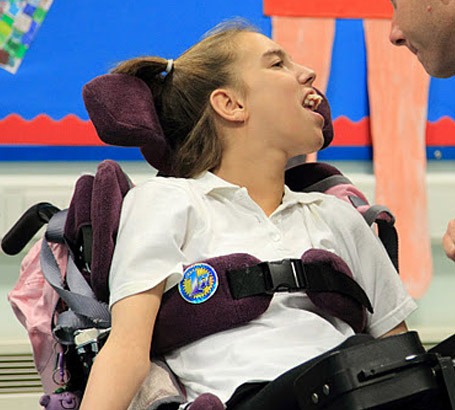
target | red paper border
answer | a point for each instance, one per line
(70, 130)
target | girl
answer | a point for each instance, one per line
(234, 108)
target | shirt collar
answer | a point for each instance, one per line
(208, 182)
(290, 197)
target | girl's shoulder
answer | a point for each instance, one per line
(332, 208)
(163, 183)
(165, 193)
(162, 187)
(321, 199)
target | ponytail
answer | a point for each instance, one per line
(146, 68)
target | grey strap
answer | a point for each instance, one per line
(67, 323)
(76, 281)
(372, 213)
(79, 303)
(389, 238)
(326, 183)
(386, 230)
(56, 227)
(80, 298)
(74, 278)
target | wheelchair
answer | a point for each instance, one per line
(390, 373)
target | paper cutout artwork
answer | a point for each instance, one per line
(19, 22)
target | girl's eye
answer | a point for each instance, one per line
(278, 64)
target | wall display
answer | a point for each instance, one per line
(19, 23)
(42, 115)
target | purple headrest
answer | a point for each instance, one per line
(122, 110)
(324, 110)
(302, 176)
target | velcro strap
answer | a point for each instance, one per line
(291, 275)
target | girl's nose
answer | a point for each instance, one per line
(306, 76)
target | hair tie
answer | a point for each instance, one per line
(170, 66)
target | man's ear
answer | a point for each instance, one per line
(228, 105)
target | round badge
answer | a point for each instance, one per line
(199, 283)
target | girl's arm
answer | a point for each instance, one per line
(401, 328)
(123, 362)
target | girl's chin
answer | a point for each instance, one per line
(320, 140)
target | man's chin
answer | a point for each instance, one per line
(439, 70)
(446, 73)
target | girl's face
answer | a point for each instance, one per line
(276, 96)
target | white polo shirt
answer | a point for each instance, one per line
(169, 222)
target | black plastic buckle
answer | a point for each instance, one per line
(286, 275)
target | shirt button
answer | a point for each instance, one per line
(276, 237)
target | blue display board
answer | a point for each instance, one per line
(41, 106)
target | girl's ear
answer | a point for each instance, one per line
(227, 105)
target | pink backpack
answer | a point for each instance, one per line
(34, 302)
(56, 298)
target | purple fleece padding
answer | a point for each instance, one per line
(207, 401)
(180, 322)
(122, 110)
(304, 175)
(79, 213)
(109, 188)
(97, 202)
(324, 110)
(341, 306)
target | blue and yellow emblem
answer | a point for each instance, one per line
(199, 283)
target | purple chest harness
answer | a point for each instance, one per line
(229, 291)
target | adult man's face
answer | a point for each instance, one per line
(427, 28)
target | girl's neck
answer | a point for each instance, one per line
(263, 179)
